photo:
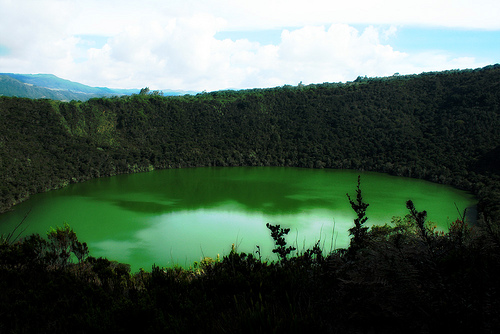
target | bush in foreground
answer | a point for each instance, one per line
(400, 277)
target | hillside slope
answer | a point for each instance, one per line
(48, 86)
(442, 127)
(10, 86)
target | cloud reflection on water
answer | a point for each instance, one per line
(182, 237)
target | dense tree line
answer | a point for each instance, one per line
(441, 127)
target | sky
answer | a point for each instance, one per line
(208, 45)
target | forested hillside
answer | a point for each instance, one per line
(403, 277)
(443, 127)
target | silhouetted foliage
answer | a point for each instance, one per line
(392, 286)
(358, 231)
(278, 234)
(62, 242)
(419, 219)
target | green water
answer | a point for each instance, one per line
(178, 216)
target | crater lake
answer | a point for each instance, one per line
(178, 216)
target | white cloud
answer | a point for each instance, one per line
(172, 44)
(281, 13)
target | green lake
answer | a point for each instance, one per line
(178, 216)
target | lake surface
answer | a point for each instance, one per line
(178, 216)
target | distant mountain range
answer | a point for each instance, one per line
(48, 86)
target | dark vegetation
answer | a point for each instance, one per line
(401, 277)
(442, 127)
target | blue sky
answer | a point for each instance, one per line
(233, 44)
(459, 42)
(482, 44)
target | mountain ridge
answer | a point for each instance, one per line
(37, 86)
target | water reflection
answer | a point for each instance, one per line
(178, 216)
(149, 207)
(183, 237)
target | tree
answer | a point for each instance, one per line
(419, 219)
(62, 242)
(359, 232)
(157, 93)
(278, 233)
